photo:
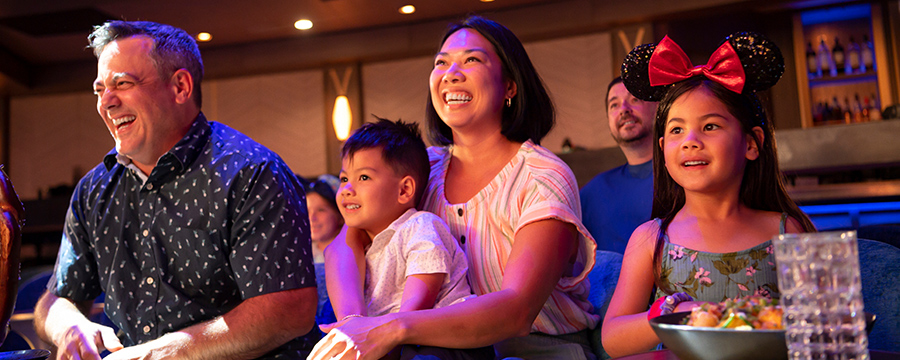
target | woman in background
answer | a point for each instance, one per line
(325, 220)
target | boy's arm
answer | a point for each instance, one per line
(421, 291)
(345, 264)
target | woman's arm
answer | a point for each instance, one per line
(541, 253)
(345, 264)
(626, 329)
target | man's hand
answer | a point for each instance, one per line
(162, 348)
(85, 341)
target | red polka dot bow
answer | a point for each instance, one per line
(669, 64)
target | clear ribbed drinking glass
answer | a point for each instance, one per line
(821, 293)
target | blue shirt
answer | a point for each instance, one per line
(616, 202)
(220, 219)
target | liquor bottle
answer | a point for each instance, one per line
(852, 64)
(811, 64)
(824, 56)
(867, 54)
(836, 112)
(856, 109)
(866, 109)
(875, 109)
(848, 111)
(818, 113)
(837, 52)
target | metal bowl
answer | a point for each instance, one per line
(704, 343)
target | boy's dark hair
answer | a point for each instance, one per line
(402, 148)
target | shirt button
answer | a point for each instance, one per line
(146, 329)
(149, 186)
(462, 239)
(150, 280)
(459, 211)
(146, 232)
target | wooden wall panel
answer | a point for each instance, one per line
(56, 139)
(397, 90)
(576, 71)
(285, 112)
(59, 137)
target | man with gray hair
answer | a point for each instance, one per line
(197, 235)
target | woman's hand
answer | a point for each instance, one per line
(360, 338)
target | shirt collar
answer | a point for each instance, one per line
(640, 171)
(392, 228)
(181, 155)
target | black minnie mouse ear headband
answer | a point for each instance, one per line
(744, 63)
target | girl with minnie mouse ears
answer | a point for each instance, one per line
(718, 194)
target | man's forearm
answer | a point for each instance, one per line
(252, 329)
(48, 315)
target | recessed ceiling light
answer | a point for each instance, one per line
(204, 36)
(407, 9)
(487, 0)
(303, 24)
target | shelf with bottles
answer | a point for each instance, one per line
(847, 110)
(838, 62)
(838, 52)
(870, 76)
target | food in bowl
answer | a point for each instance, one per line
(747, 313)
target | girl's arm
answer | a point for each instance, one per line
(345, 264)
(625, 328)
(793, 226)
(540, 254)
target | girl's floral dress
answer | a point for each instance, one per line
(715, 277)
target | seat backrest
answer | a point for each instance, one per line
(31, 289)
(603, 279)
(324, 311)
(879, 266)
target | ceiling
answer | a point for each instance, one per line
(44, 41)
(36, 33)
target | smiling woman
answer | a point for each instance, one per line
(511, 203)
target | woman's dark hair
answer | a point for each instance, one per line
(762, 187)
(319, 186)
(531, 114)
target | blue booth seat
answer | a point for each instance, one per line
(603, 279)
(879, 266)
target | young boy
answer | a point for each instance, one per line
(412, 262)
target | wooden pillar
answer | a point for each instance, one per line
(341, 79)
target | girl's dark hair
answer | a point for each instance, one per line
(531, 115)
(762, 187)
